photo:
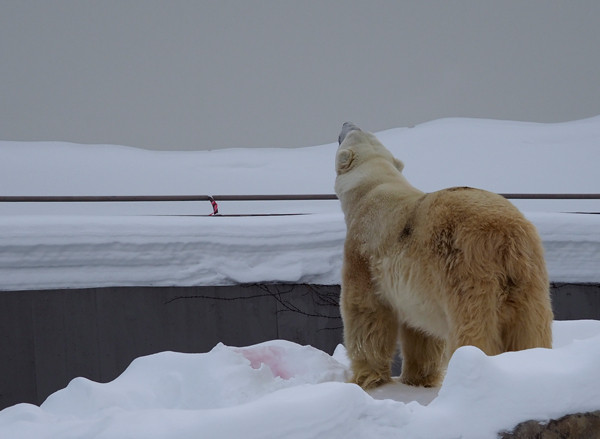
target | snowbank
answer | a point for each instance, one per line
(47, 252)
(107, 244)
(79, 252)
(82, 245)
(280, 389)
(500, 156)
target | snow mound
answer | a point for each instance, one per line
(280, 389)
(171, 380)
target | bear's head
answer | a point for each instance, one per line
(357, 147)
(364, 167)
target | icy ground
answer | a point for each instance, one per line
(282, 390)
(279, 389)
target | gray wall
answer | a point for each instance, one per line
(212, 74)
(49, 337)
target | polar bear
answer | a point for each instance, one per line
(431, 271)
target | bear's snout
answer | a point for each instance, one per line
(346, 128)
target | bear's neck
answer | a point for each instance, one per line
(355, 192)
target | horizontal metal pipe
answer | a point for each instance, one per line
(101, 198)
(150, 198)
(552, 196)
(282, 197)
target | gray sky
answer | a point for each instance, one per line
(243, 73)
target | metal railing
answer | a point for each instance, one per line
(152, 198)
(280, 197)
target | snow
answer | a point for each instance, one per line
(46, 252)
(81, 245)
(501, 156)
(280, 389)
(91, 251)
(571, 244)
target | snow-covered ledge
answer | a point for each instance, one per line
(61, 252)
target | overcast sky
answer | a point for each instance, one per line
(214, 74)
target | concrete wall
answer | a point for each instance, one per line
(49, 337)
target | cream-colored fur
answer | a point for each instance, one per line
(431, 271)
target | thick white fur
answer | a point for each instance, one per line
(431, 272)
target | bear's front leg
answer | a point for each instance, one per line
(423, 358)
(370, 326)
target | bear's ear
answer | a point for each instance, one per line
(398, 164)
(343, 160)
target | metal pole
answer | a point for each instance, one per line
(281, 197)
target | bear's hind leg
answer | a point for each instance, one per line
(474, 318)
(423, 358)
(527, 319)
